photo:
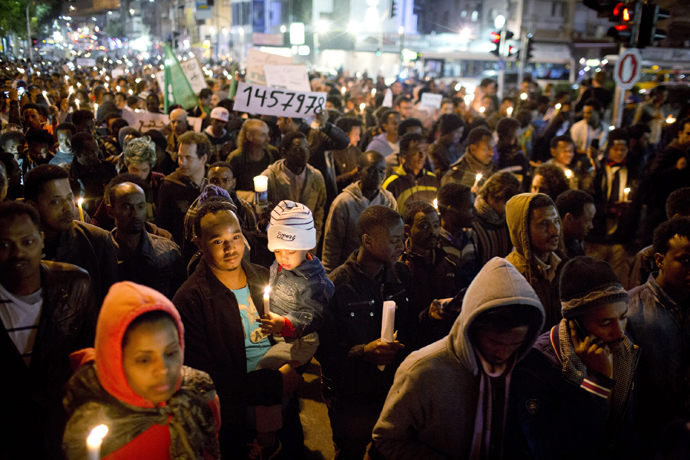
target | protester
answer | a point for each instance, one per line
(500, 321)
(216, 132)
(181, 188)
(456, 236)
(550, 180)
(538, 253)
(179, 125)
(387, 143)
(573, 395)
(576, 210)
(67, 240)
(589, 129)
(340, 234)
(155, 406)
(253, 155)
(445, 151)
(477, 160)
(347, 160)
(89, 171)
(64, 155)
(47, 311)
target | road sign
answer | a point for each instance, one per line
(628, 68)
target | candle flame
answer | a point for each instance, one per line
(362, 106)
(523, 96)
(626, 190)
(670, 119)
(435, 203)
(478, 177)
(96, 436)
(267, 291)
(80, 201)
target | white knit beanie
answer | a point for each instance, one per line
(291, 227)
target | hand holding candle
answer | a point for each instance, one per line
(261, 190)
(388, 324)
(94, 441)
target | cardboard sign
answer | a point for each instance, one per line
(86, 62)
(256, 60)
(116, 73)
(144, 121)
(192, 70)
(287, 77)
(279, 102)
(432, 100)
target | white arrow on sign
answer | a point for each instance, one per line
(628, 68)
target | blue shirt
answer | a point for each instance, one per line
(256, 343)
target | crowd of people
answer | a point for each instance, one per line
(538, 261)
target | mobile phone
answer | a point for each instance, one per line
(595, 144)
(581, 333)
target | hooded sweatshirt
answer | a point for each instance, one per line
(340, 234)
(453, 420)
(184, 427)
(546, 286)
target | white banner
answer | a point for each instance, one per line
(287, 77)
(144, 121)
(86, 62)
(279, 102)
(192, 70)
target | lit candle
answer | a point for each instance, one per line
(76, 101)
(523, 96)
(626, 193)
(670, 119)
(261, 189)
(568, 173)
(477, 178)
(95, 107)
(71, 90)
(45, 96)
(435, 203)
(482, 109)
(558, 106)
(94, 441)
(373, 92)
(343, 90)
(509, 112)
(267, 300)
(362, 106)
(80, 202)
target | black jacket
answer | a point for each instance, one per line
(31, 397)
(92, 249)
(214, 343)
(352, 320)
(176, 195)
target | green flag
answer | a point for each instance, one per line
(233, 74)
(177, 88)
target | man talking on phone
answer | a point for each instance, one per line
(572, 396)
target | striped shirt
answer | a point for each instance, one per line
(20, 316)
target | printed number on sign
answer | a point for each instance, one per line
(280, 102)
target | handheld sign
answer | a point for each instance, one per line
(256, 60)
(144, 121)
(279, 102)
(287, 77)
(432, 100)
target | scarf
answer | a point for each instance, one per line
(487, 213)
(192, 428)
(477, 167)
(624, 364)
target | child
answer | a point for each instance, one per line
(134, 382)
(299, 293)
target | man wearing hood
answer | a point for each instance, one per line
(574, 393)
(535, 231)
(500, 321)
(340, 238)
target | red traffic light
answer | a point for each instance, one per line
(495, 37)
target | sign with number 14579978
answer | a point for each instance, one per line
(279, 102)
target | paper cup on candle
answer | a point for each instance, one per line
(388, 324)
(261, 189)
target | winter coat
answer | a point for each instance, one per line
(566, 413)
(313, 193)
(340, 235)
(32, 395)
(301, 295)
(517, 214)
(92, 249)
(176, 195)
(353, 319)
(661, 328)
(244, 170)
(184, 427)
(380, 144)
(431, 410)
(407, 187)
(215, 344)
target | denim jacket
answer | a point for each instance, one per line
(301, 295)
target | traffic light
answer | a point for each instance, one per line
(604, 8)
(625, 14)
(496, 40)
(529, 48)
(649, 33)
(394, 9)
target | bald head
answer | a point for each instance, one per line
(128, 208)
(254, 133)
(178, 121)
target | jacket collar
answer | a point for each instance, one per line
(211, 286)
(664, 300)
(145, 246)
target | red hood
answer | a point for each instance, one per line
(123, 304)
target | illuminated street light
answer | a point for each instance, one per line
(212, 30)
(499, 21)
(353, 27)
(322, 26)
(283, 29)
(465, 33)
(131, 11)
(401, 30)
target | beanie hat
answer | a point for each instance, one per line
(588, 283)
(291, 227)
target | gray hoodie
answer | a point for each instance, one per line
(431, 409)
(340, 238)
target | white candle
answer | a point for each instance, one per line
(71, 90)
(626, 192)
(80, 202)
(509, 112)
(267, 300)
(362, 106)
(435, 203)
(523, 96)
(76, 101)
(95, 107)
(94, 441)
(388, 324)
(482, 109)
(568, 173)
(261, 189)
(477, 178)
(45, 96)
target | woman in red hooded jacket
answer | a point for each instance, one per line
(134, 382)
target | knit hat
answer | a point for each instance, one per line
(219, 113)
(291, 227)
(588, 283)
(212, 191)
